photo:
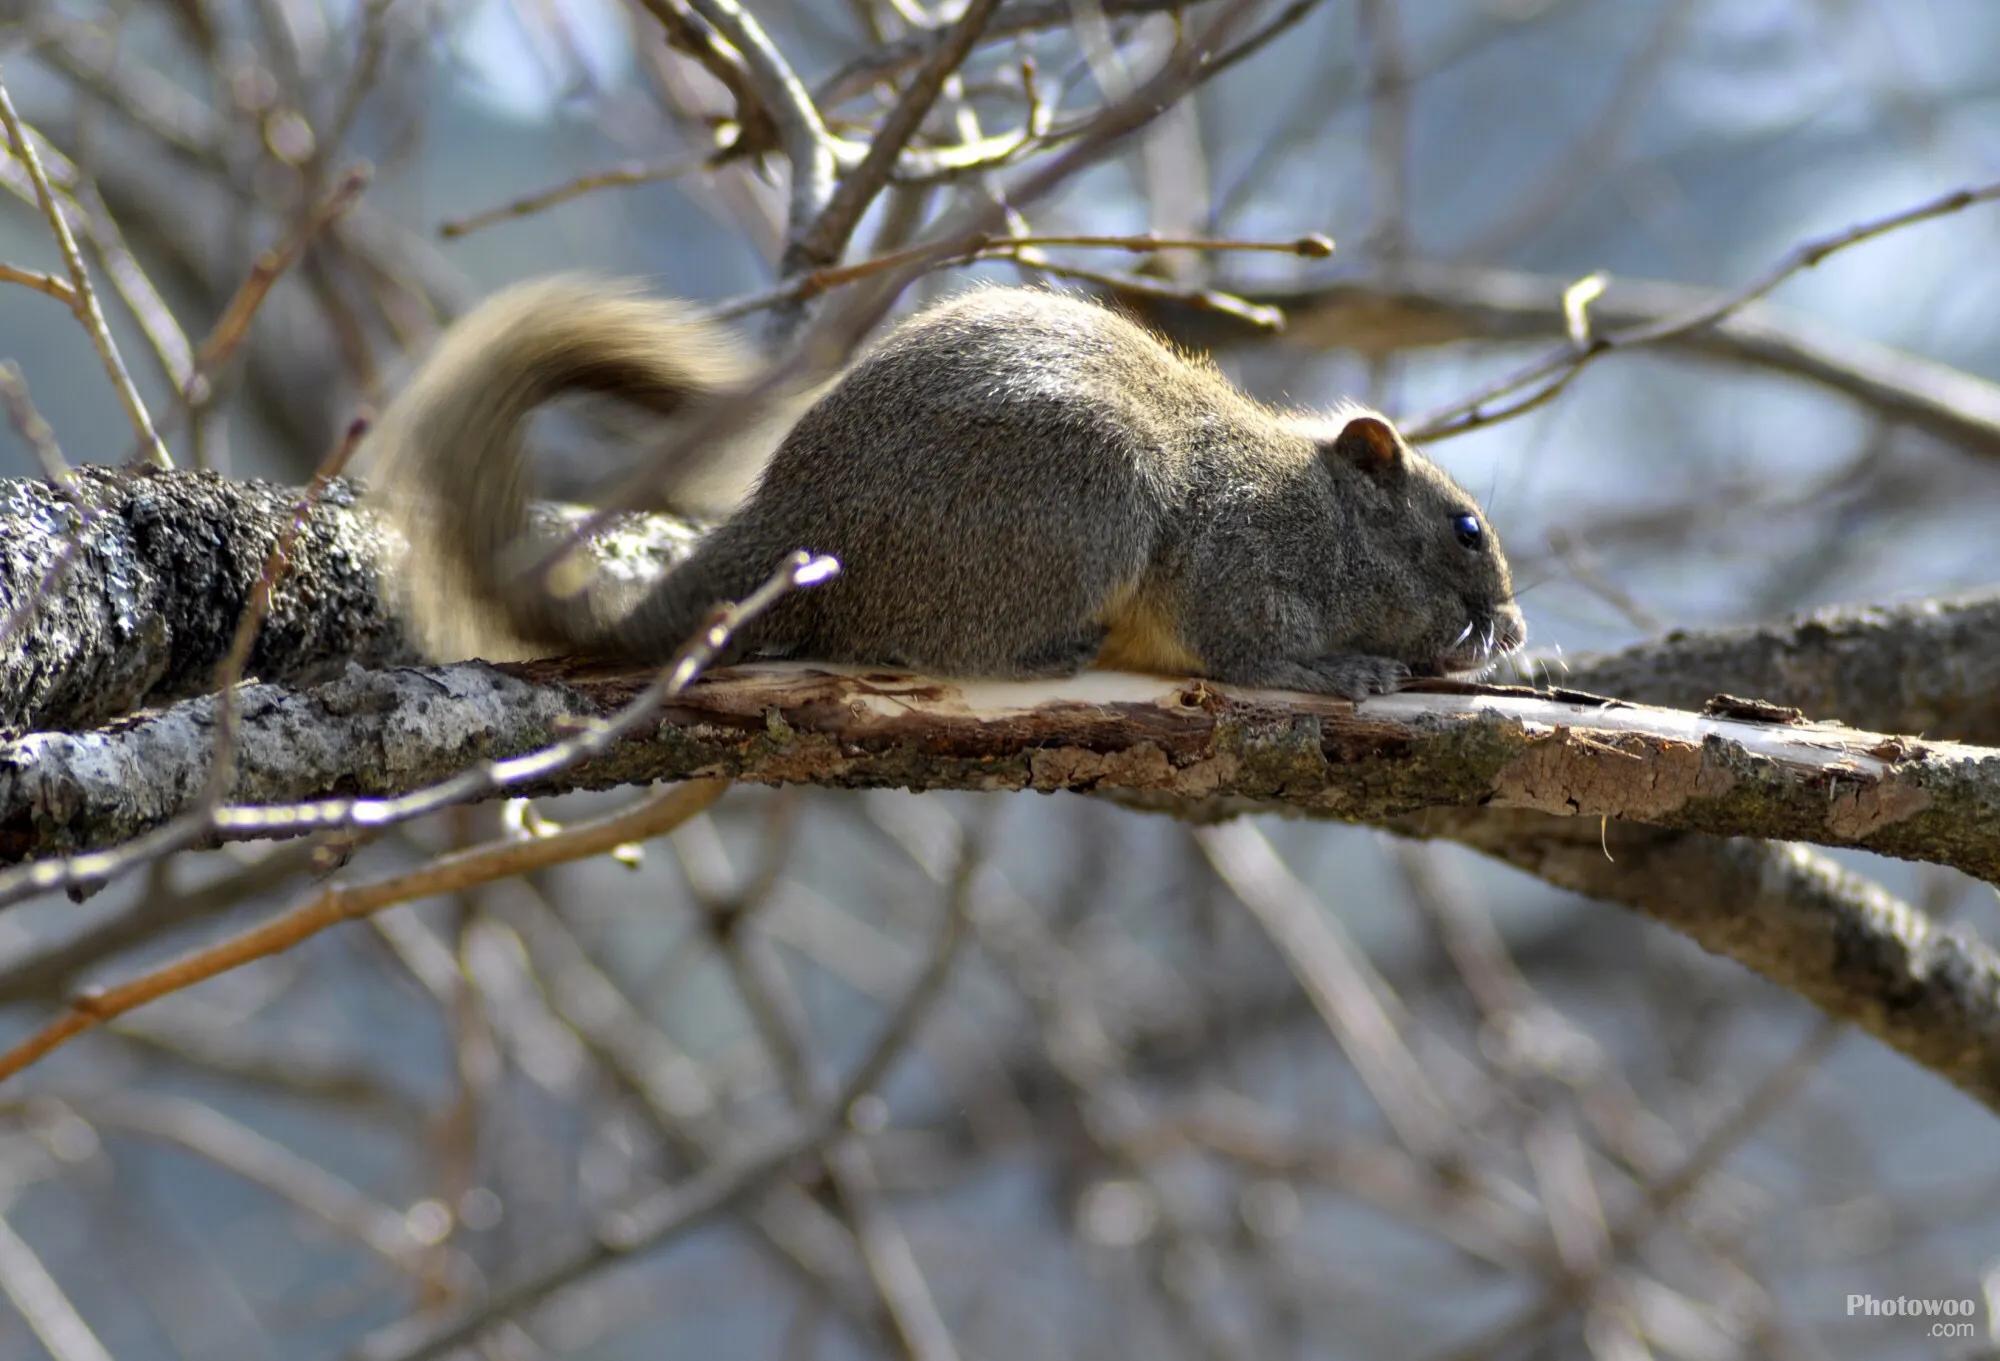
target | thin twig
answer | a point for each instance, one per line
(823, 241)
(130, 282)
(56, 288)
(100, 231)
(709, 1192)
(41, 440)
(234, 324)
(1556, 370)
(1162, 290)
(339, 903)
(28, 423)
(616, 178)
(84, 305)
(1002, 246)
(222, 758)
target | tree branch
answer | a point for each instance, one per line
(1428, 305)
(1928, 667)
(382, 734)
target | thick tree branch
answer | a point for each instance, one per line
(1929, 667)
(124, 590)
(380, 734)
(1525, 777)
(129, 593)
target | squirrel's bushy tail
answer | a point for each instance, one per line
(450, 465)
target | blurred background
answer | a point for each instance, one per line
(1124, 1130)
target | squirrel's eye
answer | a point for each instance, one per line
(1467, 529)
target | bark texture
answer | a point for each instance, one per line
(127, 593)
(382, 733)
(1930, 667)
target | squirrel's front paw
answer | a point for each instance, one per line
(1357, 677)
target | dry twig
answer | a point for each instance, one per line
(1555, 371)
(347, 902)
(83, 301)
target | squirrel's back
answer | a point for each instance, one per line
(1005, 458)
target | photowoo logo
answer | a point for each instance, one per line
(1954, 1316)
(1905, 1307)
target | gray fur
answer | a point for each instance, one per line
(1013, 481)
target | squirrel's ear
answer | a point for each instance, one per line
(1369, 443)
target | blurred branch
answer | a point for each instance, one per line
(1079, 1049)
(260, 1160)
(1575, 168)
(47, 1311)
(714, 1189)
(1429, 305)
(44, 970)
(350, 1088)
(348, 902)
(1548, 376)
(83, 297)
(1344, 987)
(1660, 1199)
(681, 1103)
(622, 176)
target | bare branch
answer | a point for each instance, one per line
(54, 1321)
(1189, 745)
(717, 1187)
(824, 240)
(349, 902)
(1554, 371)
(83, 301)
(1429, 305)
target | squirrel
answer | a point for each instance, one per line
(1016, 482)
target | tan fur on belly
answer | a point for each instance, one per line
(1143, 638)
